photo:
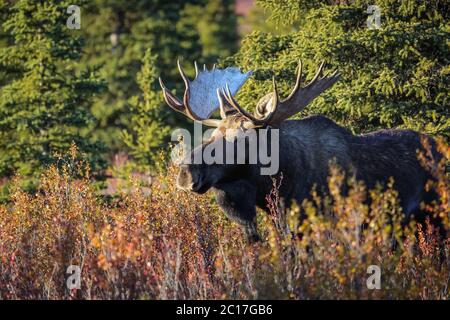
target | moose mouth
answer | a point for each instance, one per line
(200, 187)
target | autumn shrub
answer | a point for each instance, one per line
(162, 243)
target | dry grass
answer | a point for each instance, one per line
(175, 245)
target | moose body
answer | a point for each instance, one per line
(306, 149)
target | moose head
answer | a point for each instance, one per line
(215, 89)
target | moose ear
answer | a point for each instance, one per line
(265, 105)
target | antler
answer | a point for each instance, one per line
(202, 96)
(270, 110)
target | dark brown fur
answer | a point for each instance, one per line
(306, 148)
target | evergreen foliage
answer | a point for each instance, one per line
(149, 130)
(120, 32)
(395, 76)
(44, 102)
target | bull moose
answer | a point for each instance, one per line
(306, 146)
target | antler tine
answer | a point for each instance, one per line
(196, 69)
(276, 111)
(224, 106)
(275, 93)
(316, 76)
(183, 75)
(187, 107)
(234, 104)
(298, 80)
(221, 104)
(170, 99)
(335, 74)
(230, 100)
(326, 81)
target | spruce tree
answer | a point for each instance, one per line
(5, 40)
(393, 76)
(45, 103)
(118, 35)
(149, 131)
(216, 23)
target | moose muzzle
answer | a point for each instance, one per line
(189, 178)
